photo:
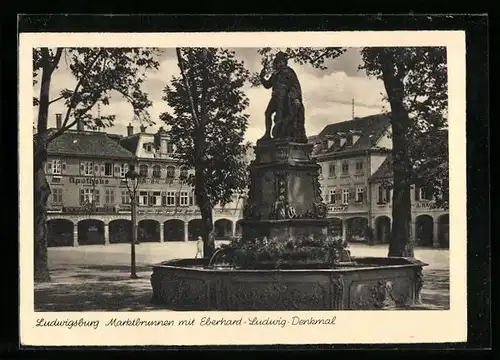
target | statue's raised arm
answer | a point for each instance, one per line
(285, 104)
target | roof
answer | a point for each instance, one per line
(439, 145)
(131, 142)
(87, 144)
(384, 171)
(369, 129)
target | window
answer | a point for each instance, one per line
(143, 198)
(384, 194)
(123, 170)
(87, 168)
(331, 170)
(155, 198)
(360, 195)
(110, 196)
(333, 194)
(125, 197)
(423, 194)
(345, 168)
(184, 198)
(88, 195)
(108, 169)
(170, 172)
(325, 145)
(143, 170)
(170, 198)
(56, 167)
(156, 171)
(348, 140)
(184, 172)
(170, 148)
(359, 166)
(57, 196)
(336, 142)
(345, 196)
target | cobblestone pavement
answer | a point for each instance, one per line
(96, 278)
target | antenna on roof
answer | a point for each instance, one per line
(353, 108)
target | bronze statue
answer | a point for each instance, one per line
(285, 104)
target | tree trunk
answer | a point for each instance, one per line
(401, 240)
(41, 187)
(41, 194)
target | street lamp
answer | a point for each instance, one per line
(132, 178)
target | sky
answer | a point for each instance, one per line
(327, 94)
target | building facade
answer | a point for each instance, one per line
(90, 203)
(355, 160)
(429, 226)
(86, 174)
(166, 206)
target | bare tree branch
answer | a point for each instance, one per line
(186, 84)
(77, 87)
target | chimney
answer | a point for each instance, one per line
(143, 129)
(58, 121)
(79, 125)
(162, 134)
(130, 130)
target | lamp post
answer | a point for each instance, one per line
(132, 178)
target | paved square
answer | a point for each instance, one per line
(96, 278)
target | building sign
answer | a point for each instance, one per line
(88, 180)
(156, 181)
(420, 205)
(336, 208)
(185, 211)
(167, 212)
(100, 210)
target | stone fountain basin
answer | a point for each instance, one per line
(367, 283)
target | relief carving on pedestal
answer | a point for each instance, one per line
(379, 294)
(419, 282)
(336, 292)
(281, 208)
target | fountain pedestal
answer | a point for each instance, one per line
(284, 198)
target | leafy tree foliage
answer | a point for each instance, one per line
(98, 73)
(208, 125)
(313, 56)
(415, 80)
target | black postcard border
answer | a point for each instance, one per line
(478, 203)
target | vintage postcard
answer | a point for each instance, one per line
(242, 188)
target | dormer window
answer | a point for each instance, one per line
(325, 145)
(336, 142)
(148, 147)
(348, 140)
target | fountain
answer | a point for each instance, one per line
(285, 259)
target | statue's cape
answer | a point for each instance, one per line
(287, 77)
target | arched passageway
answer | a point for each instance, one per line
(120, 231)
(195, 229)
(223, 229)
(148, 231)
(424, 230)
(91, 232)
(444, 231)
(335, 227)
(173, 230)
(59, 232)
(383, 229)
(357, 229)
